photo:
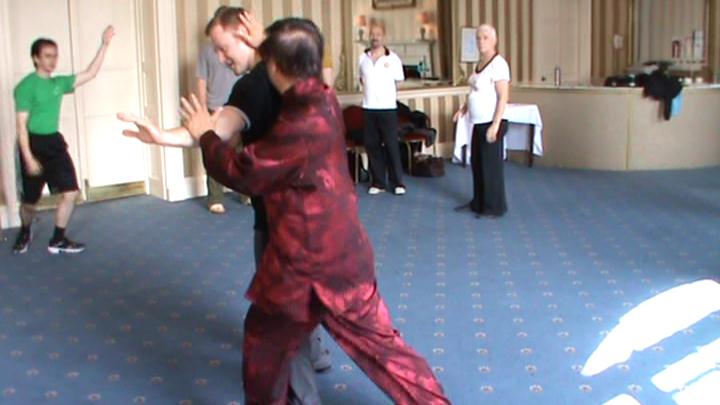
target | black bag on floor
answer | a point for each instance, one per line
(428, 166)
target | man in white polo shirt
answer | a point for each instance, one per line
(379, 70)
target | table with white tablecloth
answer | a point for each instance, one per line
(524, 129)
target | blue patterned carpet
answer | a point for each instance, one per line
(506, 311)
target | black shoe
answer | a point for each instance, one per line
(65, 245)
(464, 207)
(22, 243)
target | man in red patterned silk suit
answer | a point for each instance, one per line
(319, 264)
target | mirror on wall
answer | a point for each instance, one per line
(675, 31)
(636, 36)
(413, 31)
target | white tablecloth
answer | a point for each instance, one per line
(518, 116)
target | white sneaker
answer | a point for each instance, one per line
(375, 190)
(399, 190)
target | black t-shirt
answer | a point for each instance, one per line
(255, 95)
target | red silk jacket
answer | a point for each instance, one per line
(316, 241)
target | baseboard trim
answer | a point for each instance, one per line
(189, 187)
(105, 193)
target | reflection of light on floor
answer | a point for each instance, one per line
(623, 399)
(679, 374)
(704, 391)
(654, 320)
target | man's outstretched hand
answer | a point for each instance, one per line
(146, 131)
(196, 118)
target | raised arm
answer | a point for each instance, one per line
(261, 167)
(94, 67)
(251, 30)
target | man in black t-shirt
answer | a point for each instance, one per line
(259, 112)
(251, 110)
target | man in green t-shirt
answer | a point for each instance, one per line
(43, 152)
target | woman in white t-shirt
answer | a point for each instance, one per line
(489, 92)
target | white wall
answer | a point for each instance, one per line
(562, 37)
(402, 24)
(660, 21)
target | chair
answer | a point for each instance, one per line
(413, 138)
(354, 121)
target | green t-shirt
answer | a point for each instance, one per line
(42, 97)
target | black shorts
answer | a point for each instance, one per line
(58, 170)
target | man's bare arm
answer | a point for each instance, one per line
(229, 121)
(94, 67)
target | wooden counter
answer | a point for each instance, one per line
(618, 129)
(601, 128)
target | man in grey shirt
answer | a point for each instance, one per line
(214, 84)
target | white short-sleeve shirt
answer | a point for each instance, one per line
(483, 96)
(378, 79)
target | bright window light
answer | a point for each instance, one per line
(705, 391)
(680, 373)
(654, 320)
(623, 399)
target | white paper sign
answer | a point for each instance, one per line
(469, 52)
(698, 45)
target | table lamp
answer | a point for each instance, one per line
(361, 22)
(424, 20)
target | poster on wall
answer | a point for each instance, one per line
(468, 41)
(389, 4)
(698, 41)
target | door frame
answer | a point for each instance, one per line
(80, 101)
(9, 210)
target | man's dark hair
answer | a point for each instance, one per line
(296, 47)
(38, 45)
(225, 17)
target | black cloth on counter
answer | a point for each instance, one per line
(662, 87)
